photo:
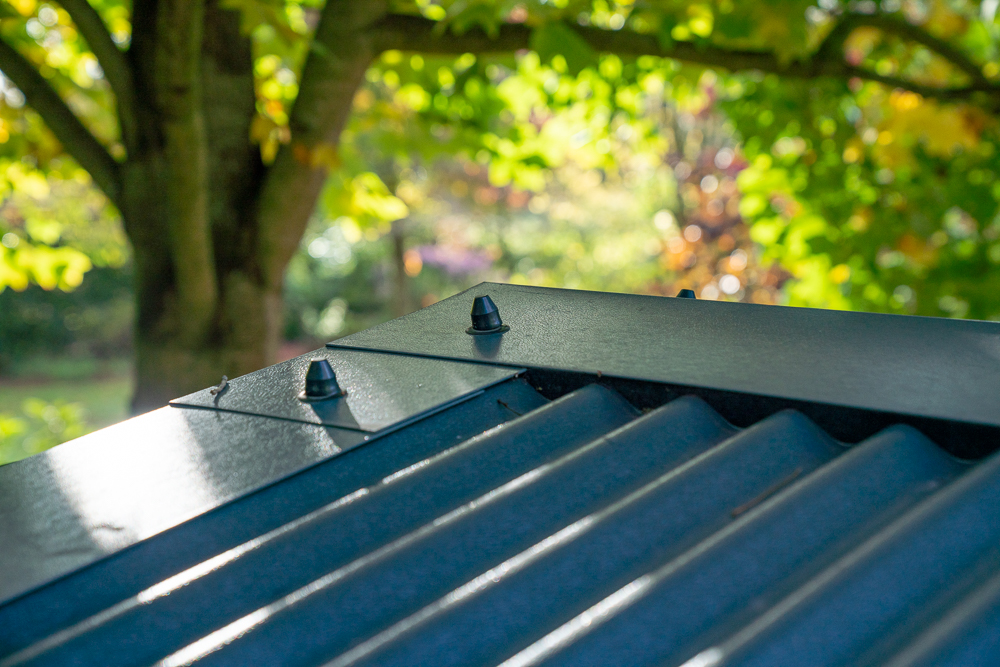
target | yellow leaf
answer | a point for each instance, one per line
(854, 151)
(23, 7)
(941, 129)
(261, 128)
(325, 155)
(11, 275)
(840, 274)
(943, 21)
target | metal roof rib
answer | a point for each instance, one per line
(902, 576)
(721, 584)
(576, 531)
(498, 526)
(968, 634)
(373, 518)
(614, 545)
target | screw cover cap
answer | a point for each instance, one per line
(321, 382)
(486, 317)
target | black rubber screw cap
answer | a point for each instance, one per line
(686, 294)
(486, 317)
(321, 382)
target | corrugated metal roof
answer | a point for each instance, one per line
(610, 521)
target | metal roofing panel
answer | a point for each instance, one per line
(382, 390)
(335, 537)
(500, 523)
(968, 634)
(851, 613)
(571, 534)
(69, 602)
(726, 581)
(533, 552)
(484, 620)
(100, 493)
(933, 367)
(83, 500)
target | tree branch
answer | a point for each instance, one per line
(406, 32)
(115, 64)
(67, 128)
(340, 54)
(414, 33)
(896, 26)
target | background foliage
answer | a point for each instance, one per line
(554, 165)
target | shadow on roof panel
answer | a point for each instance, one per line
(491, 528)
(903, 575)
(741, 571)
(605, 550)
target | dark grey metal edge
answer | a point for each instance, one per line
(381, 390)
(932, 368)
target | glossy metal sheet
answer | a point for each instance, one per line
(930, 367)
(383, 390)
(348, 528)
(968, 634)
(37, 617)
(862, 606)
(558, 536)
(85, 499)
(601, 551)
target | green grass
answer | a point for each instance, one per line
(41, 368)
(105, 399)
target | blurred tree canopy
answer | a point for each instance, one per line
(834, 154)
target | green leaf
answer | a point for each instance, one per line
(476, 16)
(554, 39)
(733, 26)
(663, 36)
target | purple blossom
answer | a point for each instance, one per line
(454, 260)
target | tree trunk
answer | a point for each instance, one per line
(211, 228)
(171, 358)
(255, 215)
(245, 338)
(180, 348)
(401, 297)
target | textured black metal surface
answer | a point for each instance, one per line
(689, 602)
(346, 530)
(968, 634)
(382, 390)
(930, 367)
(73, 599)
(858, 609)
(611, 546)
(96, 495)
(503, 521)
